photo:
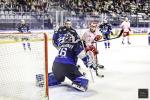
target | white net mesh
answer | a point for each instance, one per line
(19, 67)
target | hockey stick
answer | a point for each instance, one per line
(120, 34)
(91, 75)
(89, 69)
(96, 70)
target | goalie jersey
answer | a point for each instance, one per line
(69, 53)
(58, 36)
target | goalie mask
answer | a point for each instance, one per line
(69, 38)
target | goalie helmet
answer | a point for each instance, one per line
(69, 38)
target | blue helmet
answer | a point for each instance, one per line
(69, 38)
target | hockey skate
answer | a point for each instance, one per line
(100, 66)
(129, 42)
(29, 48)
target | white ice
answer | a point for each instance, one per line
(18, 70)
(127, 69)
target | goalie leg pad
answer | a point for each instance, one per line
(81, 83)
(52, 80)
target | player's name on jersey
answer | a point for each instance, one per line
(68, 46)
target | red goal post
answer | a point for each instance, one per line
(19, 67)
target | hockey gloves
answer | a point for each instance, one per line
(92, 48)
(98, 37)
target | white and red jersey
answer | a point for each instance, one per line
(125, 25)
(89, 37)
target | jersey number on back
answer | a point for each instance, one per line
(63, 52)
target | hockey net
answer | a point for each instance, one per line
(19, 67)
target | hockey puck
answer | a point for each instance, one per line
(102, 75)
(84, 73)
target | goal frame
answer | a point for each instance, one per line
(45, 56)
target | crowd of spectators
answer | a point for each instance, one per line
(78, 7)
(24, 5)
(107, 6)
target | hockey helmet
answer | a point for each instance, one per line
(69, 38)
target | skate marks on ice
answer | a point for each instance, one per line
(127, 68)
(65, 91)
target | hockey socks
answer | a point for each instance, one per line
(29, 46)
(26, 44)
(107, 44)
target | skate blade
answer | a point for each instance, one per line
(100, 66)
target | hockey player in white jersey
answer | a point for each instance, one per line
(89, 38)
(125, 30)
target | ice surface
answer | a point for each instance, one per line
(127, 69)
(18, 70)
